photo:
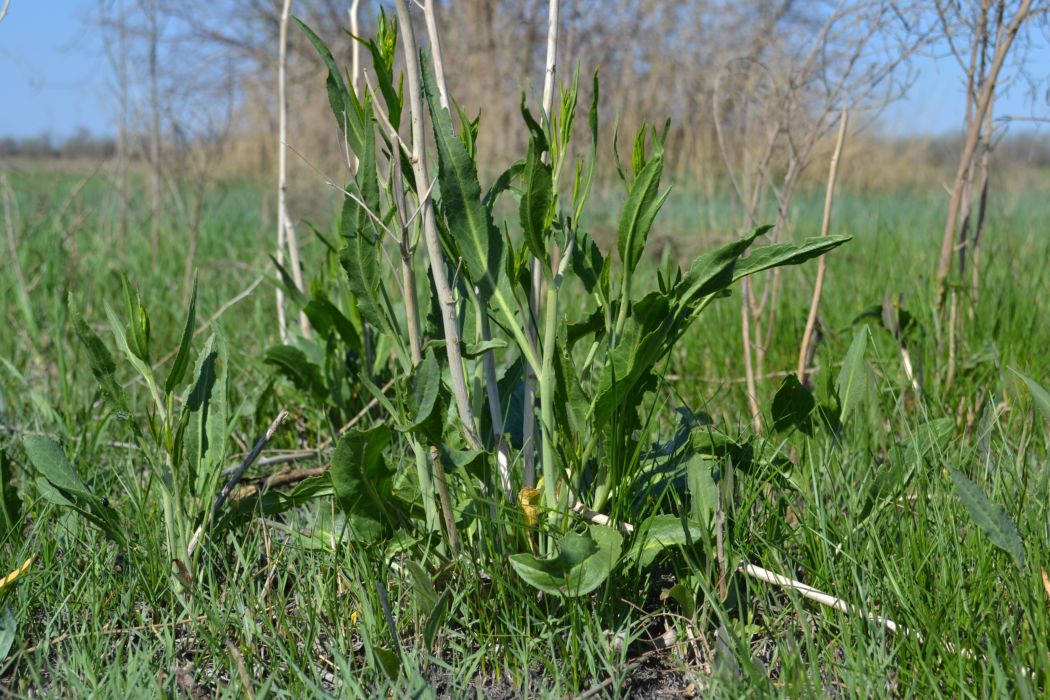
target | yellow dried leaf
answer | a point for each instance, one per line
(529, 499)
(20, 571)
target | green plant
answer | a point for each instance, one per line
(595, 363)
(182, 437)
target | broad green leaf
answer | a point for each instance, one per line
(326, 318)
(362, 480)
(787, 253)
(853, 379)
(388, 662)
(102, 365)
(703, 494)
(657, 533)
(792, 406)
(61, 485)
(536, 202)
(427, 400)
(713, 271)
(293, 364)
(643, 203)
(991, 517)
(182, 357)
(477, 240)
(206, 410)
(684, 597)
(582, 564)
(344, 103)
(50, 461)
(1040, 396)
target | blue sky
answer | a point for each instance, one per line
(53, 75)
(54, 78)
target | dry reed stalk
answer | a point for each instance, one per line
(285, 231)
(805, 353)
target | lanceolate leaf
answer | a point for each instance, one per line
(182, 358)
(990, 517)
(360, 255)
(641, 346)
(787, 253)
(60, 484)
(536, 202)
(206, 406)
(643, 203)
(852, 384)
(102, 365)
(345, 107)
(712, 272)
(477, 240)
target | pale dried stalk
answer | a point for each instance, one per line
(489, 358)
(449, 315)
(810, 593)
(355, 47)
(3, 10)
(435, 50)
(808, 338)
(552, 56)
(285, 231)
(749, 368)
(529, 418)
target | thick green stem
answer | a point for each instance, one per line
(546, 386)
(426, 487)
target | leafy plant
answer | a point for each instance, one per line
(182, 437)
(596, 364)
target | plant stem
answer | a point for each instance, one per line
(449, 316)
(546, 387)
(825, 226)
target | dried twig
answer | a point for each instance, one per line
(285, 231)
(808, 336)
(234, 478)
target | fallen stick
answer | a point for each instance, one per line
(234, 478)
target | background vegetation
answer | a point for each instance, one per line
(907, 475)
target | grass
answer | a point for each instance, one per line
(870, 515)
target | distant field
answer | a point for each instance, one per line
(870, 513)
